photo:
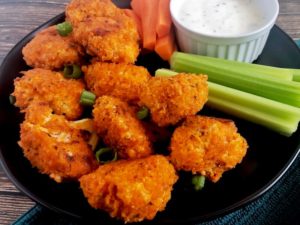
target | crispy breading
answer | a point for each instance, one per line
(112, 39)
(79, 10)
(53, 146)
(131, 190)
(208, 146)
(49, 50)
(171, 99)
(117, 124)
(122, 80)
(62, 94)
(104, 30)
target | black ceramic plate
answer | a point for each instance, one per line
(268, 158)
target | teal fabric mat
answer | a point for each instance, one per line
(279, 206)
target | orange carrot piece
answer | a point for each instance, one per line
(149, 20)
(164, 21)
(134, 16)
(165, 46)
(136, 6)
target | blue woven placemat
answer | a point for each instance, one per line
(279, 206)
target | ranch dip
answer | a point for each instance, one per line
(221, 17)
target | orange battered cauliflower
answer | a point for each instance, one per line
(208, 146)
(110, 39)
(53, 146)
(62, 94)
(131, 190)
(171, 99)
(79, 10)
(49, 50)
(117, 124)
(122, 80)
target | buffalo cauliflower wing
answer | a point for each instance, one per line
(207, 146)
(131, 190)
(49, 50)
(53, 146)
(63, 95)
(117, 124)
(171, 99)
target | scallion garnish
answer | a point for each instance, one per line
(198, 181)
(12, 99)
(87, 98)
(64, 29)
(72, 71)
(106, 155)
(142, 113)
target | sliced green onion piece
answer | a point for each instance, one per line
(106, 155)
(72, 71)
(12, 99)
(64, 29)
(87, 98)
(142, 113)
(198, 181)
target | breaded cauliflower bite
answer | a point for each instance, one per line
(49, 50)
(53, 146)
(117, 124)
(110, 39)
(171, 99)
(62, 94)
(207, 146)
(124, 81)
(79, 10)
(131, 190)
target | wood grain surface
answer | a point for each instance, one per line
(19, 17)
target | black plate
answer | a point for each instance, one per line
(268, 158)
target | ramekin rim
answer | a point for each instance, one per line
(242, 35)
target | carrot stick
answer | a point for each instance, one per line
(149, 20)
(165, 46)
(164, 18)
(134, 16)
(136, 7)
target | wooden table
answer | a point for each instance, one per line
(19, 17)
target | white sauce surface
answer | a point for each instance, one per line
(221, 17)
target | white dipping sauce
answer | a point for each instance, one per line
(221, 17)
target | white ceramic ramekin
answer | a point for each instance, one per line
(245, 47)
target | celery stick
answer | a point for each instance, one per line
(286, 128)
(164, 73)
(284, 91)
(248, 68)
(296, 74)
(274, 115)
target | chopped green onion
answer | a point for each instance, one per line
(235, 76)
(64, 29)
(72, 71)
(87, 98)
(198, 181)
(106, 155)
(274, 115)
(12, 99)
(142, 113)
